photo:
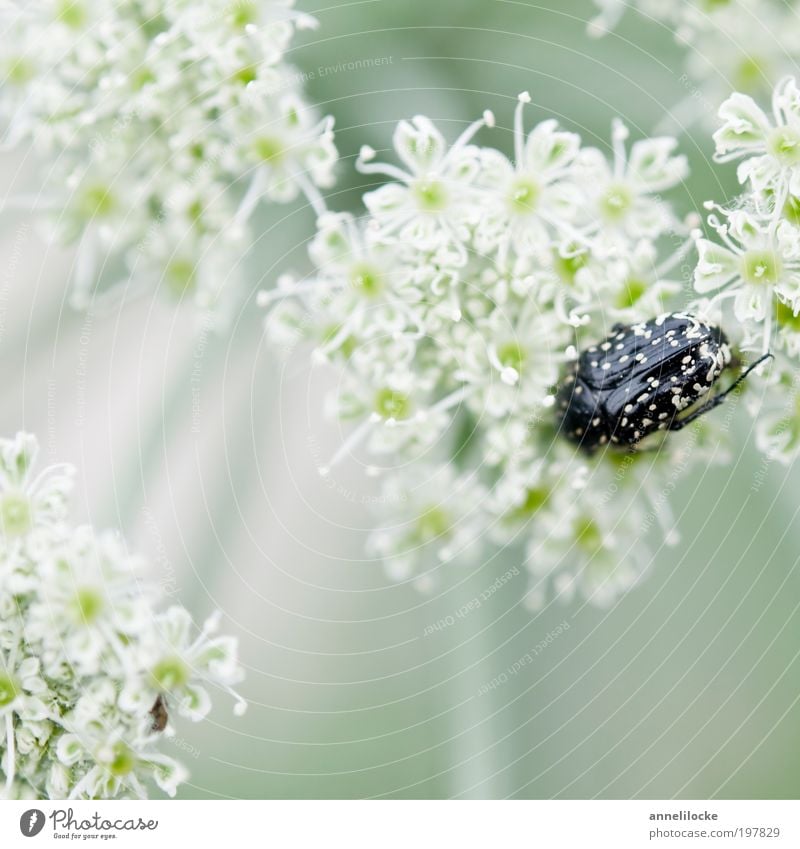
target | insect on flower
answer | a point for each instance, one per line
(159, 714)
(638, 380)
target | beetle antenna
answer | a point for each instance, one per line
(679, 424)
(763, 358)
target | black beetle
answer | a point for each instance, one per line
(639, 379)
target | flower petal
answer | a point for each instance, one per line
(548, 148)
(652, 164)
(716, 266)
(195, 703)
(419, 144)
(744, 125)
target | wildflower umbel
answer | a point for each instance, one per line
(746, 45)
(164, 124)
(86, 649)
(452, 308)
(750, 270)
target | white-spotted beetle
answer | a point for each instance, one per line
(639, 379)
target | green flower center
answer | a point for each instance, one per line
(588, 537)
(568, 266)
(170, 673)
(71, 13)
(749, 75)
(268, 149)
(634, 289)
(244, 12)
(430, 195)
(535, 499)
(16, 515)
(96, 201)
(9, 690)
(245, 75)
(141, 77)
(366, 279)
(122, 760)
(616, 202)
(524, 195)
(87, 604)
(511, 355)
(761, 267)
(433, 523)
(786, 318)
(334, 241)
(180, 276)
(19, 71)
(784, 144)
(195, 211)
(791, 210)
(392, 405)
(155, 24)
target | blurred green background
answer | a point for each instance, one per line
(204, 451)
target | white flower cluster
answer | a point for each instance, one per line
(451, 309)
(753, 269)
(90, 671)
(164, 124)
(744, 45)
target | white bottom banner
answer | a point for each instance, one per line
(404, 824)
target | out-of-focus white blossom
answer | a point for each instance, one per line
(741, 45)
(87, 649)
(163, 125)
(451, 310)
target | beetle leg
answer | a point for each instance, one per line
(677, 424)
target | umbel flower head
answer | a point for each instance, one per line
(751, 268)
(748, 45)
(451, 309)
(163, 125)
(88, 650)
